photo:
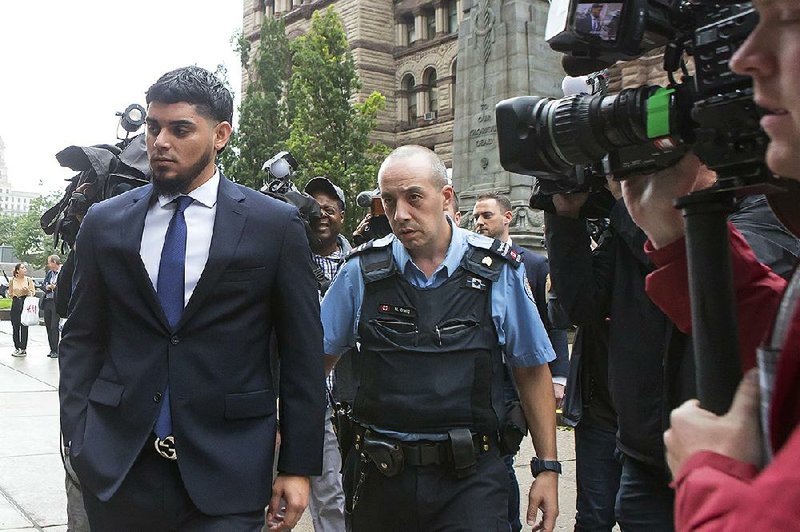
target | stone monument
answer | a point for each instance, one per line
(501, 53)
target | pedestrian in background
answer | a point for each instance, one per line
(49, 304)
(20, 287)
(493, 214)
(329, 251)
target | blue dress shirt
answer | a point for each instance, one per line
(519, 328)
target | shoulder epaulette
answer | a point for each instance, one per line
(496, 247)
(376, 243)
(377, 261)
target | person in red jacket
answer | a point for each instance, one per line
(723, 479)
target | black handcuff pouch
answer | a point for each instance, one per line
(462, 449)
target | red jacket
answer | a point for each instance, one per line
(714, 492)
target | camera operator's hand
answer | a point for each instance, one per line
(649, 199)
(735, 435)
(362, 226)
(569, 205)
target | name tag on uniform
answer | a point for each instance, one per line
(396, 310)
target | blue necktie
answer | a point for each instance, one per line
(171, 277)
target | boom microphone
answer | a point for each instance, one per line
(364, 199)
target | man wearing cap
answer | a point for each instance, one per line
(329, 251)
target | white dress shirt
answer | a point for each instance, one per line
(199, 215)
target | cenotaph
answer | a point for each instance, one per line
(501, 53)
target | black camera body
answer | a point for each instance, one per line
(644, 129)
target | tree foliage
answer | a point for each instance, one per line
(263, 119)
(329, 133)
(8, 224)
(315, 115)
(30, 243)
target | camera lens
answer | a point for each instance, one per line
(547, 135)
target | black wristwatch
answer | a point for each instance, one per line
(537, 466)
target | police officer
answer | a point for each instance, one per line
(433, 306)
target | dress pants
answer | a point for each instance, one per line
(51, 320)
(152, 498)
(326, 501)
(645, 500)
(513, 495)
(430, 498)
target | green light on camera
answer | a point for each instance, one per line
(658, 113)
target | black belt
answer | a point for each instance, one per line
(427, 452)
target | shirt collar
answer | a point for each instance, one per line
(336, 255)
(205, 194)
(452, 260)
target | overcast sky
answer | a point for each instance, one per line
(68, 65)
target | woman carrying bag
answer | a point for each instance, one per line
(20, 287)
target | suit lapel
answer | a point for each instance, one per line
(228, 225)
(131, 239)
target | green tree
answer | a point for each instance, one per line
(8, 224)
(329, 133)
(263, 117)
(30, 243)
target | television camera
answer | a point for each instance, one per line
(645, 129)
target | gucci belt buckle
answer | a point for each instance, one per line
(166, 447)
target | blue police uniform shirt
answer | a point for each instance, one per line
(519, 328)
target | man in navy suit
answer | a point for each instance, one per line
(493, 214)
(167, 404)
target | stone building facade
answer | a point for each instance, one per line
(12, 201)
(405, 49)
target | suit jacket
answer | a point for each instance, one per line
(583, 23)
(118, 350)
(537, 270)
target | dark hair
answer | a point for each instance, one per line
(196, 86)
(501, 200)
(17, 267)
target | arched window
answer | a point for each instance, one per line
(409, 99)
(432, 92)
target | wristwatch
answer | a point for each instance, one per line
(537, 466)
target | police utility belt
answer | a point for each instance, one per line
(458, 452)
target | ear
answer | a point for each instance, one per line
(507, 217)
(447, 194)
(222, 133)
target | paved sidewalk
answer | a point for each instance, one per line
(31, 474)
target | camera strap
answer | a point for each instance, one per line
(768, 356)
